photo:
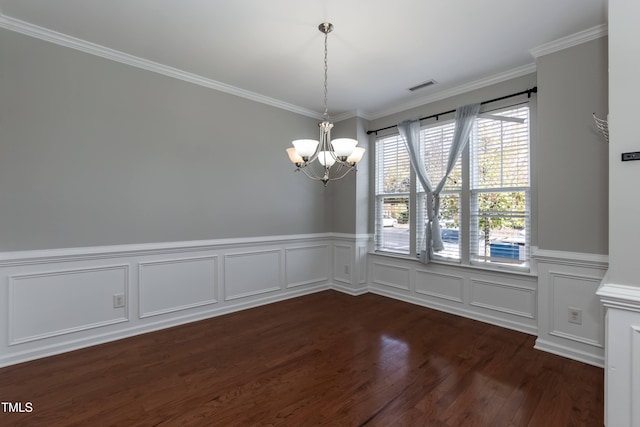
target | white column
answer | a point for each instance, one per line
(620, 290)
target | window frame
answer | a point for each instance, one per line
(466, 256)
(380, 195)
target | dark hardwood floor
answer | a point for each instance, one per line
(323, 359)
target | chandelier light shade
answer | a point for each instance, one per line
(325, 160)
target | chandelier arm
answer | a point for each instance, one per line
(345, 173)
(314, 171)
(342, 162)
(337, 168)
(314, 156)
(310, 176)
(340, 171)
(332, 174)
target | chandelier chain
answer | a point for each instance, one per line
(326, 72)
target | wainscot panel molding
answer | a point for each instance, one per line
(501, 298)
(505, 297)
(571, 319)
(439, 285)
(64, 299)
(390, 275)
(349, 262)
(307, 265)
(622, 338)
(342, 263)
(252, 273)
(177, 284)
(52, 303)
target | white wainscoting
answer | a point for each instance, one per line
(176, 284)
(252, 273)
(501, 298)
(342, 263)
(63, 299)
(504, 297)
(437, 285)
(622, 369)
(390, 274)
(568, 281)
(349, 263)
(306, 265)
(37, 300)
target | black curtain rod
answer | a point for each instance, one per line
(528, 92)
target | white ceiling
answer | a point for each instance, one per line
(272, 49)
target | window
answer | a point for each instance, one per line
(393, 185)
(485, 219)
(435, 145)
(500, 205)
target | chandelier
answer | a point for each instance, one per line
(325, 160)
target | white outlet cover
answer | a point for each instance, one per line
(575, 316)
(118, 300)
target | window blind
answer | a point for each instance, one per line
(500, 192)
(435, 145)
(393, 166)
(500, 151)
(393, 186)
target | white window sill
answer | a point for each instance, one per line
(521, 271)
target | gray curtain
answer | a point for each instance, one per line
(431, 241)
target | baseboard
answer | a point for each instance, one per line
(469, 314)
(570, 353)
(349, 291)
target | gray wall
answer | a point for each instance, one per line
(572, 158)
(348, 199)
(94, 152)
(340, 194)
(364, 215)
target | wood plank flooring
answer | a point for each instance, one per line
(322, 359)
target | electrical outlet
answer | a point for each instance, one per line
(118, 300)
(575, 315)
(346, 269)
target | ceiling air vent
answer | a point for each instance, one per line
(423, 85)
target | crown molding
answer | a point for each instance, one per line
(569, 41)
(457, 90)
(55, 37)
(345, 116)
(61, 39)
